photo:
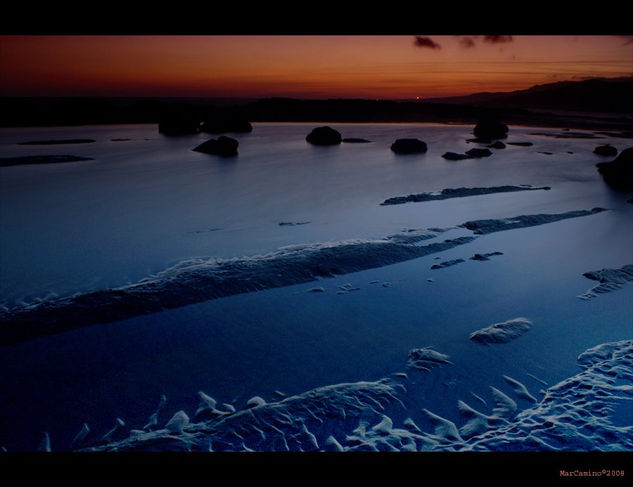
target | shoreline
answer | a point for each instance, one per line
(64, 112)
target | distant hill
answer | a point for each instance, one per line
(561, 102)
(601, 95)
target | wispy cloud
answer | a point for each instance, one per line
(627, 40)
(421, 41)
(467, 42)
(498, 39)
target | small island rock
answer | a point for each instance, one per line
(497, 145)
(605, 150)
(489, 127)
(409, 146)
(453, 156)
(324, 136)
(619, 172)
(223, 146)
(475, 153)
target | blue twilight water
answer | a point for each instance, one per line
(145, 204)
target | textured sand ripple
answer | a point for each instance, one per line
(502, 332)
(586, 412)
(200, 280)
(609, 280)
(482, 227)
(195, 281)
(458, 193)
(426, 359)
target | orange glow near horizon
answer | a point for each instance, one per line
(386, 67)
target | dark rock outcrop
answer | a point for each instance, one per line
(475, 153)
(619, 172)
(453, 156)
(605, 150)
(222, 146)
(489, 127)
(485, 256)
(409, 146)
(497, 145)
(447, 263)
(324, 136)
(470, 154)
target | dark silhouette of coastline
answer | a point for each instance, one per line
(606, 95)
(592, 104)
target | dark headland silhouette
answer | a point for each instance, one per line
(607, 95)
(605, 103)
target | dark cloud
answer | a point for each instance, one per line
(421, 41)
(498, 39)
(467, 42)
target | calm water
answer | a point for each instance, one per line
(147, 203)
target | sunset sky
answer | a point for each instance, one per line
(383, 66)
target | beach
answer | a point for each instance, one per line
(277, 304)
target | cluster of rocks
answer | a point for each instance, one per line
(328, 136)
(488, 130)
(470, 154)
(177, 124)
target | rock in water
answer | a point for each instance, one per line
(619, 172)
(223, 146)
(497, 145)
(453, 156)
(324, 136)
(476, 153)
(489, 127)
(409, 146)
(605, 150)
